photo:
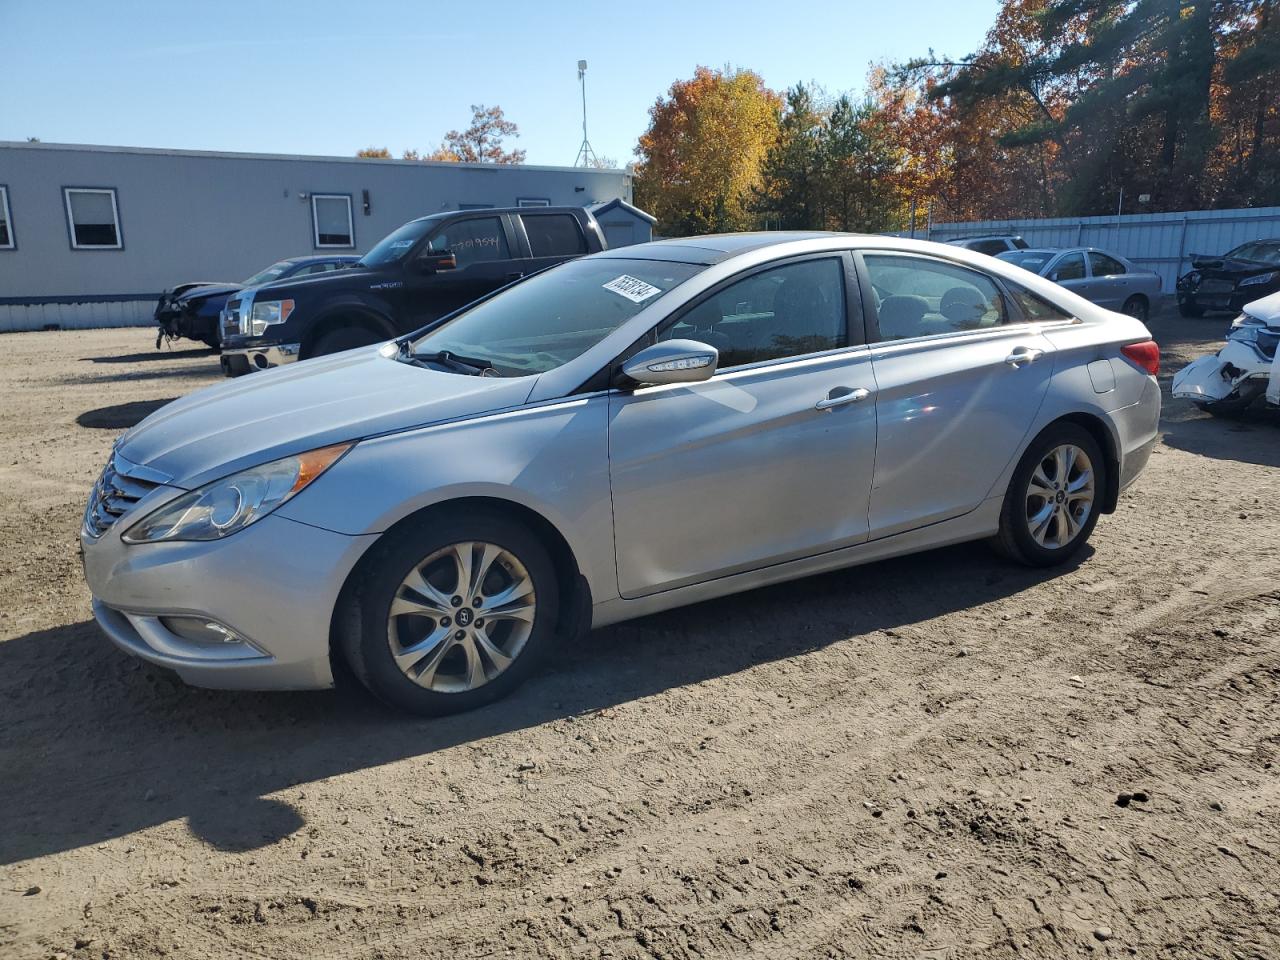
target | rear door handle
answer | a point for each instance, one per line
(1023, 355)
(839, 396)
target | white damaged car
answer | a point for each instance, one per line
(1228, 382)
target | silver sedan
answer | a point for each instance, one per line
(625, 433)
(1106, 279)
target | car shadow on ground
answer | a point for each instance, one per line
(135, 747)
(121, 416)
(157, 354)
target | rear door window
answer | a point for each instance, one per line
(920, 297)
(472, 241)
(554, 234)
(989, 247)
(1104, 266)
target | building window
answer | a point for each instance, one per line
(532, 202)
(93, 217)
(6, 223)
(331, 218)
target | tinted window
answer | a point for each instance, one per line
(989, 247)
(1070, 267)
(273, 272)
(472, 241)
(553, 317)
(789, 310)
(916, 297)
(93, 218)
(1019, 243)
(1103, 266)
(554, 235)
(1034, 306)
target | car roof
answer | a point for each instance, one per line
(493, 211)
(714, 248)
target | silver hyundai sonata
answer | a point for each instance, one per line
(628, 432)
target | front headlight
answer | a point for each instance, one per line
(226, 506)
(1260, 278)
(265, 313)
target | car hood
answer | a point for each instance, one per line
(1229, 266)
(199, 291)
(1266, 310)
(263, 416)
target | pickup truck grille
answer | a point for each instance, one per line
(113, 496)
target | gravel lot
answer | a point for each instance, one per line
(920, 758)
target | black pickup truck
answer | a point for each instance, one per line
(426, 269)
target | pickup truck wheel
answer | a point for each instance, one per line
(343, 338)
(452, 613)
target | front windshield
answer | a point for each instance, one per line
(555, 316)
(396, 244)
(1262, 251)
(272, 272)
(1033, 260)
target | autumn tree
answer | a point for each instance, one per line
(700, 160)
(482, 141)
(374, 153)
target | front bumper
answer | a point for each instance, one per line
(237, 361)
(271, 587)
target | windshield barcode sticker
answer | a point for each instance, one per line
(637, 291)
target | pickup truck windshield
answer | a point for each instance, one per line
(555, 316)
(396, 244)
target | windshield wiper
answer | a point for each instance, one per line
(447, 358)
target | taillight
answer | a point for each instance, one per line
(1144, 356)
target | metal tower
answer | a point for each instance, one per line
(586, 156)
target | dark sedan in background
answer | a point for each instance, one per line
(1226, 283)
(191, 309)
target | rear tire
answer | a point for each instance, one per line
(344, 338)
(1137, 306)
(1054, 497)
(1189, 309)
(413, 632)
(1231, 409)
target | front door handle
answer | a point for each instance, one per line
(839, 396)
(1023, 355)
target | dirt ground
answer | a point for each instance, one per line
(919, 758)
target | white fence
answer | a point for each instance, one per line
(1161, 242)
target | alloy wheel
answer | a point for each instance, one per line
(1060, 496)
(461, 616)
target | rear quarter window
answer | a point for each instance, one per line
(554, 234)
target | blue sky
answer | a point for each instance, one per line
(325, 77)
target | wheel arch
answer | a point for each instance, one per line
(342, 316)
(1097, 428)
(575, 592)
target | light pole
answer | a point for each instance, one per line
(586, 156)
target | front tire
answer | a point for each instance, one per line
(1054, 497)
(343, 338)
(452, 613)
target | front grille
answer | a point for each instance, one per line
(113, 495)
(1216, 286)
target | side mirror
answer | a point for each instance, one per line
(673, 361)
(435, 262)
